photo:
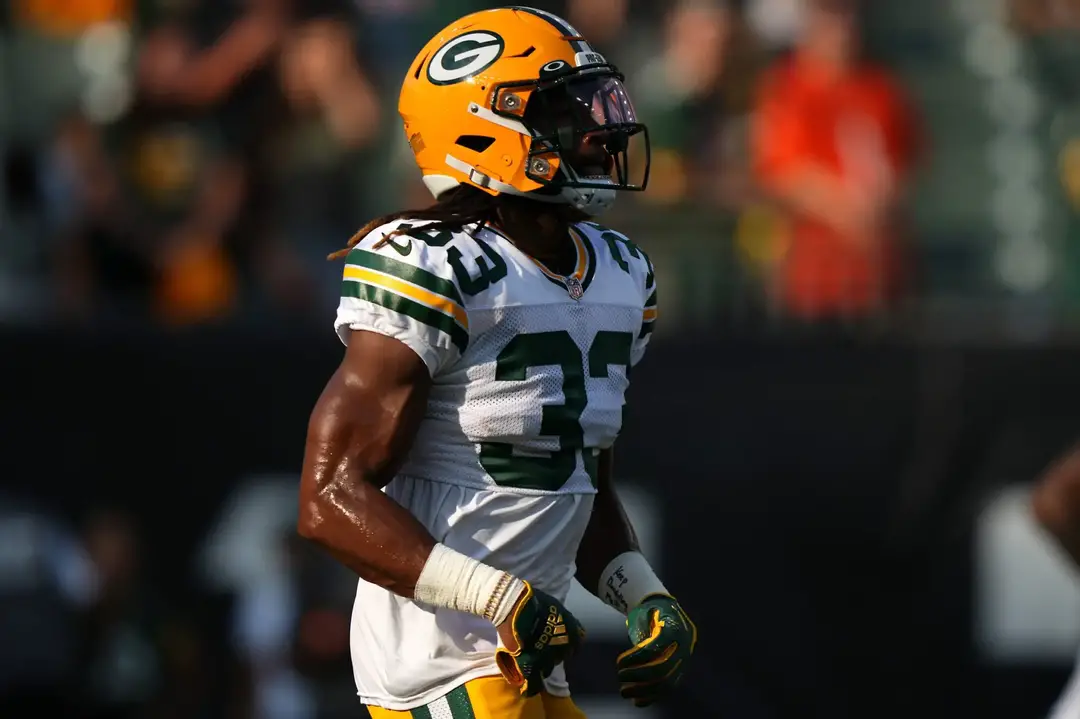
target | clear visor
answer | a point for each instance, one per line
(585, 104)
(592, 124)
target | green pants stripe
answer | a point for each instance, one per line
(455, 705)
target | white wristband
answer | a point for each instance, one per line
(452, 580)
(626, 580)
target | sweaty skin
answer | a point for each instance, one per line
(609, 532)
(360, 431)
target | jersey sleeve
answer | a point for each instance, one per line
(403, 289)
(648, 314)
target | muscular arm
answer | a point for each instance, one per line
(360, 431)
(609, 532)
(1055, 502)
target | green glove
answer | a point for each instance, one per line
(663, 638)
(546, 635)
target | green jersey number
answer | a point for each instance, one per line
(491, 270)
(562, 421)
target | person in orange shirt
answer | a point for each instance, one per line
(833, 144)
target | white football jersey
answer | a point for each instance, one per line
(529, 373)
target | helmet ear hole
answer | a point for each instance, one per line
(476, 143)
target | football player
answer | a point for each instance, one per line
(460, 458)
(1055, 502)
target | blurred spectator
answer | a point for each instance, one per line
(834, 143)
(216, 65)
(329, 145)
(320, 76)
(281, 81)
(102, 265)
(393, 29)
(602, 21)
(326, 593)
(46, 582)
(123, 657)
(23, 257)
(162, 255)
(198, 278)
(216, 54)
(724, 165)
(777, 22)
(690, 94)
(1037, 16)
(264, 629)
(289, 625)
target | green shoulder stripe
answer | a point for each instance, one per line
(405, 306)
(404, 271)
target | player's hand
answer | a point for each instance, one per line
(538, 635)
(663, 638)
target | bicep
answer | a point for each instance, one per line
(368, 415)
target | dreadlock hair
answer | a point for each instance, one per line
(454, 209)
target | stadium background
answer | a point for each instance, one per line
(839, 502)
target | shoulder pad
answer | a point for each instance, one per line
(410, 276)
(628, 256)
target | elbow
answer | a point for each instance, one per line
(317, 512)
(309, 520)
(321, 520)
(330, 514)
(316, 507)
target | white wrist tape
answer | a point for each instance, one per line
(451, 580)
(626, 580)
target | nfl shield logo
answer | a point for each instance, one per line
(573, 286)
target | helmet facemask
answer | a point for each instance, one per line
(587, 143)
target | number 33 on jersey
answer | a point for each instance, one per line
(529, 367)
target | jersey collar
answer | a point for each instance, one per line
(584, 267)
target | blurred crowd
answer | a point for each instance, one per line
(189, 162)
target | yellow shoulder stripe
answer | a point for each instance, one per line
(417, 294)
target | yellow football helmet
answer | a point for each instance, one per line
(515, 101)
